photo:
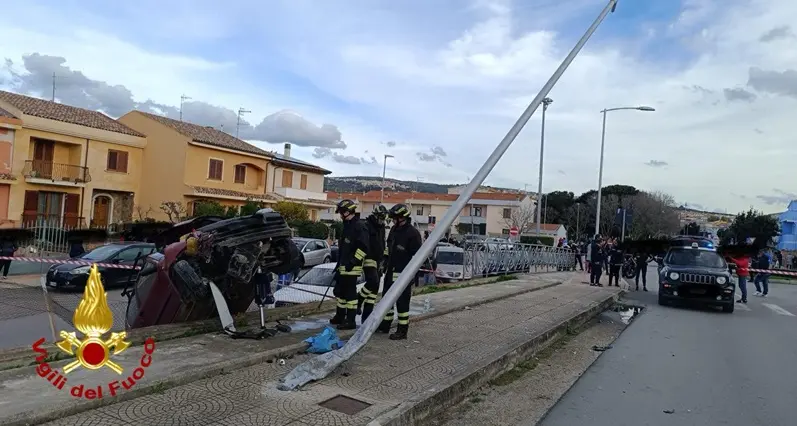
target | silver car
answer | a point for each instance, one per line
(315, 252)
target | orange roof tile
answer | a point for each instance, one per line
(65, 113)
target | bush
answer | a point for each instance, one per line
(527, 239)
(336, 228)
(310, 229)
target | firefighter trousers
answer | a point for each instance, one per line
(345, 292)
(402, 305)
(369, 292)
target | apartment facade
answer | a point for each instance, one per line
(65, 166)
(488, 214)
(190, 164)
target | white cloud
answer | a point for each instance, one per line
(461, 84)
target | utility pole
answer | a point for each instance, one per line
(545, 103)
(183, 98)
(241, 112)
(578, 218)
(53, 87)
(384, 170)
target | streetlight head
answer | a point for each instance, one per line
(388, 156)
(547, 101)
(646, 108)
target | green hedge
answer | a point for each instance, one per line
(310, 229)
(526, 239)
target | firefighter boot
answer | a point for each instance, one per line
(384, 327)
(401, 332)
(360, 300)
(366, 312)
(350, 322)
(340, 316)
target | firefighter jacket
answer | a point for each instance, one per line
(376, 242)
(352, 247)
(402, 244)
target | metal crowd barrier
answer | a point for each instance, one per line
(487, 259)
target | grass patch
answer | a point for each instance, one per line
(529, 364)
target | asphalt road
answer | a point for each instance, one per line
(686, 366)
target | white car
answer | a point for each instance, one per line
(311, 286)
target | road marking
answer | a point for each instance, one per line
(778, 310)
(743, 306)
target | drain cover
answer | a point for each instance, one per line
(344, 404)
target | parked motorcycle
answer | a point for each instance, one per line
(629, 267)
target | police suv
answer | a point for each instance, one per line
(693, 271)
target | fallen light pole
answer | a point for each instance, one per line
(320, 366)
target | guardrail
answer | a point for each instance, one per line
(487, 259)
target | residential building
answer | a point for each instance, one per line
(9, 125)
(552, 230)
(487, 213)
(788, 228)
(69, 166)
(188, 164)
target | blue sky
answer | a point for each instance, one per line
(454, 74)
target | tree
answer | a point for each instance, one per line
(292, 212)
(691, 228)
(751, 224)
(250, 207)
(522, 218)
(142, 214)
(174, 210)
(714, 218)
(213, 208)
(464, 228)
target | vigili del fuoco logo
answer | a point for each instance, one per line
(93, 318)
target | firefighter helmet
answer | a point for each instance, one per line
(399, 211)
(380, 211)
(346, 206)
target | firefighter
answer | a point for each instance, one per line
(372, 266)
(353, 247)
(403, 242)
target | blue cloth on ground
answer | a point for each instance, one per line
(324, 341)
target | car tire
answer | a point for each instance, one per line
(663, 301)
(191, 286)
(326, 259)
(728, 308)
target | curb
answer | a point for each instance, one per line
(143, 389)
(453, 390)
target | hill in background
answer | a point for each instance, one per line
(369, 183)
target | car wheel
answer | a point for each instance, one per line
(191, 288)
(728, 308)
(326, 259)
(662, 301)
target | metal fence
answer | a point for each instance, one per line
(486, 259)
(50, 233)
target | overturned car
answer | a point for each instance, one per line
(205, 268)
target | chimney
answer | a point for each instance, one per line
(287, 153)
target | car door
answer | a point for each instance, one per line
(312, 253)
(127, 257)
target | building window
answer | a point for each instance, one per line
(117, 161)
(215, 168)
(419, 211)
(313, 215)
(507, 213)
(476, 211)
(303, 182)
(287, 179)
(240, 173)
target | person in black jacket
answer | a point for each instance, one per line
(353, 247)
(375, 223)
(761, 279)
(403, 243)
(616, 259)
(596, 259)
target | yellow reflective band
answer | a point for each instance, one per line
(359, 254)
(388, 317)
(341, 305)
(404, 321)
(385, 251)
(369, 263)
(351, 273)
(404, 315)
(352, 304)
(396, 275)
(370, 301)
(365, 292)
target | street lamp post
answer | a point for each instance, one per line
(600, 170)
(545, 103)
(384, 169)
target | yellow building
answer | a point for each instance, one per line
(186, 163)
(69, 166)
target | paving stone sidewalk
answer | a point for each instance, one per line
(383, 375)
(22, 392)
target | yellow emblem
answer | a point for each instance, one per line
(93, 318)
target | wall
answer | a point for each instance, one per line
(495, 219)
(164, 162)
(315, 181)
(108, 180)
(196, 170)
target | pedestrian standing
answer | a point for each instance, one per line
(588, 256)
(615, 264)
(743, 273)
(577, 249)
(596, 262)
(353, 249)
(7, 249)
(761, 279)
(403, 242)
(641, 269)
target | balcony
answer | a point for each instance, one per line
(420, 219)
(328, 216)
(47, 172)
(51, 223)
(476, 220)
(300, 194)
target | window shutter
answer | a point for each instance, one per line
(71, 210)
(121, 162)
(112, 160)
(30, 210)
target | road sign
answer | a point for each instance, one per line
(513, 231)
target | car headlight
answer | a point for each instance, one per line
(674, 276)
(722, 280)
(81, 270)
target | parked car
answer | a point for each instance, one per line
(315, 252)
(311, 286)
(449, 264)
(74, 277)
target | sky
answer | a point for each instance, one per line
(438, 83)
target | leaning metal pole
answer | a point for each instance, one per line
(319, 367)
